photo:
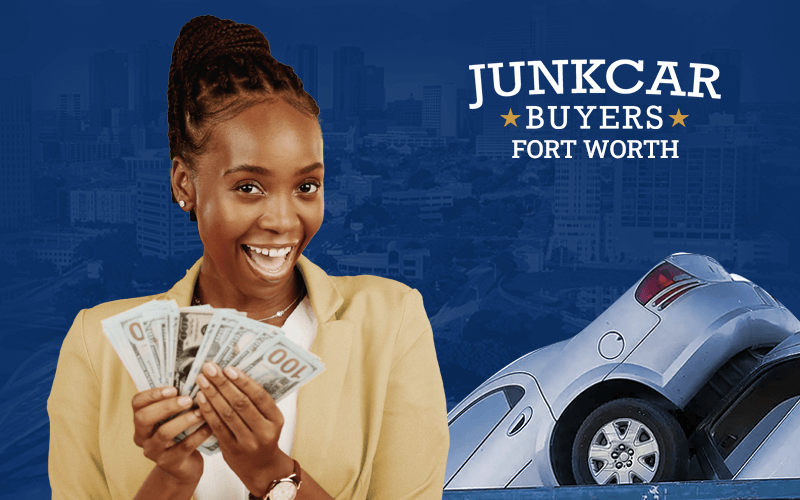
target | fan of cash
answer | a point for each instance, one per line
(161, 344)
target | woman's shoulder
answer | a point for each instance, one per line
(368, 285)
(92, 317)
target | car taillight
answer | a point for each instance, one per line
(659, 278)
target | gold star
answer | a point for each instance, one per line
(678, 118)
(510, 118)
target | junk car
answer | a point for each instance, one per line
(755, 432)
(616, 402)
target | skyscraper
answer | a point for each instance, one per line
(150, 79)
(728, 85)
(439, 109)
(162, 229)
(303, 58)
(356, 87)
(108, 89)
(15, 151)
(576, 208)
(685, 204)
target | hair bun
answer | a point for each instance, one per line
(217, 67)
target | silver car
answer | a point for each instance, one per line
(615, 403)
(755, 432)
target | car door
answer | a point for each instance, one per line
(495, 436)
(757, 434)
(776, 457)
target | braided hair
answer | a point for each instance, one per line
(218, 69)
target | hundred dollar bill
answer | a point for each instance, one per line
(222, 324)
(249, 333)
(192, 326)
(281, 367)
(130, 333)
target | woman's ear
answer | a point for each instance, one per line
(183, 191)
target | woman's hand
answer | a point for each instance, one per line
(178, 464)
(247, 423)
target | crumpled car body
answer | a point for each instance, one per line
(659, 346)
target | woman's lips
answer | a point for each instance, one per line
(269, 261)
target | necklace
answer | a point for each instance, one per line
(196, 302)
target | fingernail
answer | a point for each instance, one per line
(198, 413)
(169, 391)
(184, 401)
(201, 398)
(202, 381)
(209, 369)
(231, 373)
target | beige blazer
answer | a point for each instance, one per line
(372, 425)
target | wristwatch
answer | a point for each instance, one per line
(283, 489)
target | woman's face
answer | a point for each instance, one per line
(258, 197)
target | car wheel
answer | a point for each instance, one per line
(629, 441)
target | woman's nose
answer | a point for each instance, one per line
(279, 215)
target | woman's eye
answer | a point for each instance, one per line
(309, 187)
(249, 189)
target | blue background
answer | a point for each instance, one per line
(500, 268)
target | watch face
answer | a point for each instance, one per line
(284, 490)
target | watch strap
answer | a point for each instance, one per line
(295, 477)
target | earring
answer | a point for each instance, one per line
(182, 203)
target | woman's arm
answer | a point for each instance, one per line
(411, 457)
(247, 423)
(75, 466)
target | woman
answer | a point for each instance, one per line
(247, 164)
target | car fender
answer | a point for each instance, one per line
(678, 370)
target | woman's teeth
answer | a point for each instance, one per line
(271, 252)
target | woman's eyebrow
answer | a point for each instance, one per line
(247, 168)
(265, 171)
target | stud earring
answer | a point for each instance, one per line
(182, 203)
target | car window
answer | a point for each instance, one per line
(748, 421)
(470, 427)
(748, 445)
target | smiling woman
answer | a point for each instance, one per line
(247, 164)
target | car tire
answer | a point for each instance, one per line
(629, 440)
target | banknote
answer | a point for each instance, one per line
(161, 344)
(192, 327)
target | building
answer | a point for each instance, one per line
(360, 186)
(357, 88)
(150, 87)
(685, 204)
(70, 116)
(336, 203)
(162, 229)
(407, 112)
(576, 209)
(147, 160)
(440, 109)
(303, 58)
(109, 89)
(429, 201)
(15, 152)
(89, 152)
(414, 137)
(57, 247)
(394, 262)
(107, 204)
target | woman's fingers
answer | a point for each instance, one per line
(257, 394)
(147, 418)
(166, 433)
(151, 396)
(227, 401)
